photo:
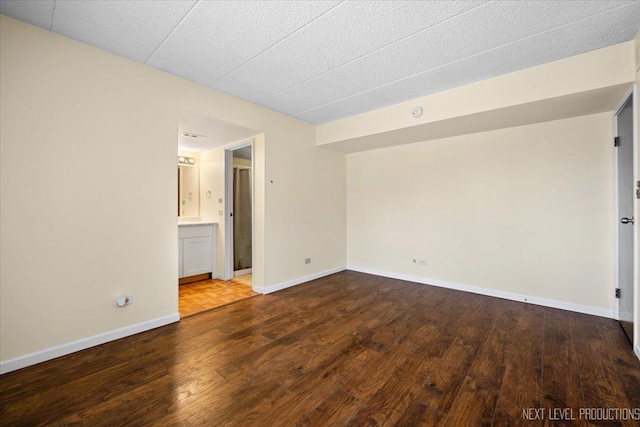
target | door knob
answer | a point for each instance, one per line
(627, 220)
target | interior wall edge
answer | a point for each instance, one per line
(562, 305)
(82, 344)
(301, 280)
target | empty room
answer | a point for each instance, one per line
(320, 213)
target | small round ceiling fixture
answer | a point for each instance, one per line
(416, 112)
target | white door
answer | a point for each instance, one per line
(626, 189)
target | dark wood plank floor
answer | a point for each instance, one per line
(349, 349)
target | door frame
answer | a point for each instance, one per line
(228, 203)
(616, 216)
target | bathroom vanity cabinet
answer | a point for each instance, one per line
(197, 244)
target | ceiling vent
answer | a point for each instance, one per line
(193, 135)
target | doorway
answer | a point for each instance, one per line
(625, 194)
(202, 198)
(239, 212)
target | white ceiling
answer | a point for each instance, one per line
(217, 132)
(324, 60)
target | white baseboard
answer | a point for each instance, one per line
(301, 280)
(490, 292)
(72, 347)
(637, 350)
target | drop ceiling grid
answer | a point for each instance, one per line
(539, 49)
(219, 36)
(486, 27)
(39, 13)
(321, 61)
(148, 23)
(342, 35)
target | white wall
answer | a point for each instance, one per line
(241, 162)
(525, 210)
(84, 219)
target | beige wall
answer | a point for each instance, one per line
(241, 162)
(589, 72)
(212, 179)
(75, 237)
(525, 210)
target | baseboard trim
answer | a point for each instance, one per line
(72, 347)
(636, 350)
(595, 311)
(301, 280)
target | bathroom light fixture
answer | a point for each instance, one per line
(193, 135)
(186, 161)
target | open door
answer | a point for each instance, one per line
(625, 216)
(239, 212)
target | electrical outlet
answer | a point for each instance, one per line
(123, 300)
(420, 261)
(307, 260)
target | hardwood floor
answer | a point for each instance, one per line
(197, 297)
(348, 349)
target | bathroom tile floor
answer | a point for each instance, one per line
(205, 295)
(244, 279)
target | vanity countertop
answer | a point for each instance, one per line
(193, 224)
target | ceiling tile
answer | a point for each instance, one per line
(133, 29)
(38, 13)
(542, 48)
(220, 36)
(483, 28)
(324, 60)
(345, 33)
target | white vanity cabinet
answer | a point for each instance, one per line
(197, 244)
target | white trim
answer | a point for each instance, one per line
(228, 197)
(637, 351)
(72, 347)
(489, 292)
(636, 211)
(624, 98)
(631, 92)
(301, 280)
(616, 223)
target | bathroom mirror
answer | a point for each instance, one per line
(188, 191)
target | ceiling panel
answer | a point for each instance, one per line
(344, 34)
(483, 28)
(219, 36)
(133, 29)
(543, 48)
(324, 60)
(38, 13)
